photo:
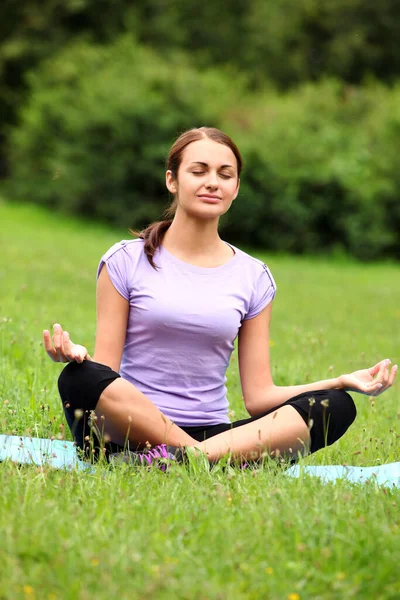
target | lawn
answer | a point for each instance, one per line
(191, 533)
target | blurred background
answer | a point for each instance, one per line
(94, 92)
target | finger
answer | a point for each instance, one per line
(382, 375)
(374, 370)
(48, 345)
(80, 353)
(393, 374)
(59, 344)
(73, 352)
(386, 375)
(386, 379)
(372, 389)
(391, 377)
(57, 341)
(67, 347)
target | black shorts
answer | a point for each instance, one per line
(329, 412)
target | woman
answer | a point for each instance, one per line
(169, 307)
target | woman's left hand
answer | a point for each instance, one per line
(372, 382)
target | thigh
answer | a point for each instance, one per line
(205, 432)
(328, 414)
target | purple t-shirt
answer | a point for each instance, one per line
(183, 320)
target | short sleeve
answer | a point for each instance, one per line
(263, 294)
(118, 261)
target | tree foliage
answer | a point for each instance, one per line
(321, 163)
(276, 41)
(92, 92)
(94, 137)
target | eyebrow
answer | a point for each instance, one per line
(203, 164)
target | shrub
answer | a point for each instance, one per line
(322, 171)
(95, 134)
(321, 162)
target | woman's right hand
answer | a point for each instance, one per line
(61, 348)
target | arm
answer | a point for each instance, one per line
(259, 392)
(112, 318)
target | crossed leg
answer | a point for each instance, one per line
(283, 432)
(124, 413)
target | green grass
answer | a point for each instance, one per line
(192, 534)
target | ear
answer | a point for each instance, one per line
(237, 190)
(170, 182)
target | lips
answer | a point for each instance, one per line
(210, 198)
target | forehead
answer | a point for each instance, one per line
(210, 152)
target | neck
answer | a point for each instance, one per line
(192, 237)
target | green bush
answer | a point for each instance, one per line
(322, 171)
(321, 162)
(95, 134)
(282, 42)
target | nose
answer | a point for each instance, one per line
(212, 181)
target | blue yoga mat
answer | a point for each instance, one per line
(386, 475)
(62, 455)
(42, 452)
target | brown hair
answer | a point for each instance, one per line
(154, 233)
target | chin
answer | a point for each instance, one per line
(209, 211)
(208, 216)
(206, 213)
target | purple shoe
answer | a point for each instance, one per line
(155, 456)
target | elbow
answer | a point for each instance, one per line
(254, 412)
(253, 408)
(251, 412)
(261, 403)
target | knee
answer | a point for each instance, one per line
(332, 413)
(80, 384)
(341, 406)
(70, 380)
(64, 382)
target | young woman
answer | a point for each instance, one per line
(169, 306)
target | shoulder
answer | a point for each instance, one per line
(124, 247)
(259, 282)
(123, 256)
(256, 266)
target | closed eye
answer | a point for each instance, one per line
(223, 175)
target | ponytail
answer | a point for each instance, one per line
(152, 235)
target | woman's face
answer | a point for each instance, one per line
(207, 180)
